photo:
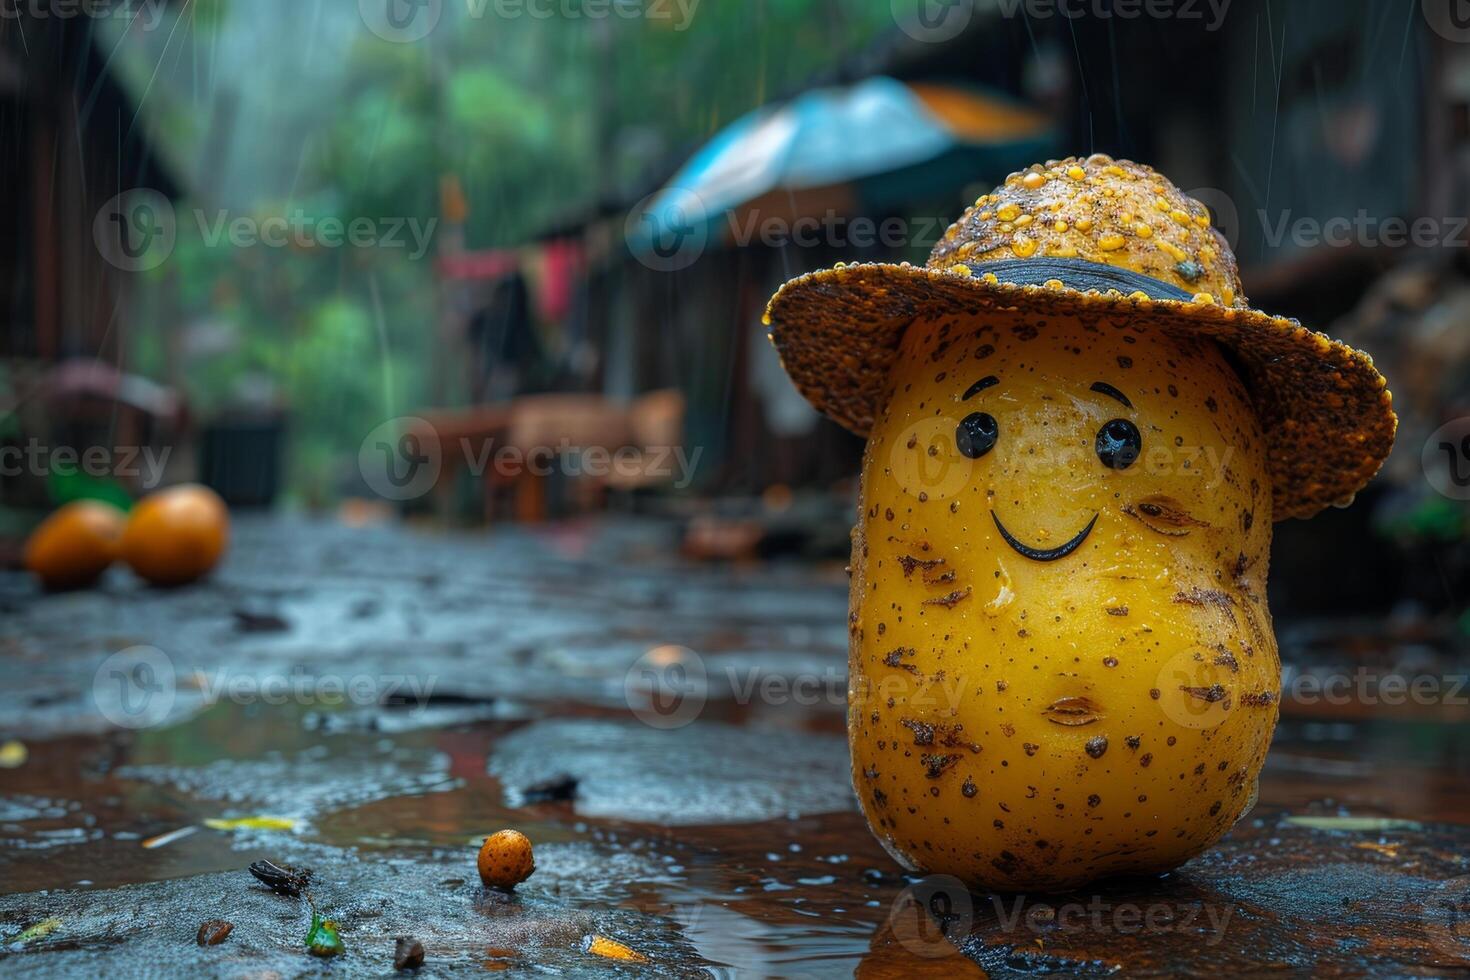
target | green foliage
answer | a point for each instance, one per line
(301, 109)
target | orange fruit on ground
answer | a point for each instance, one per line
(176, 535)
(505, 860)
(73, 546)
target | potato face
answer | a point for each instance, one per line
(1061, 661)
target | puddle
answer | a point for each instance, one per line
(704, 773)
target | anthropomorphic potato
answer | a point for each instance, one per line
(1062, 665)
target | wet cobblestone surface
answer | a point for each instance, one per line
(457, 684)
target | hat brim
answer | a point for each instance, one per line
(1326, 411)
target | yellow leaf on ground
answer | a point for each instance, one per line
(611, 949)
(13, 754)
(251, 823)
(1353, 823)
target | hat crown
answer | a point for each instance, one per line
(1110, 212)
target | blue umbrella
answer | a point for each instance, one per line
(866, 148)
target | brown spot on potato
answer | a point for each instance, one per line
(1205, 597)
(949, 601)
(908, 563)
(1072, 712)
(1210, 695)
(923, 732)
(1163, 515)
(894, 658)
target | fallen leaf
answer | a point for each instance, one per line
(13, 754)
(40, 930)
(251, 823)
(1353, 823)
(611, 949)
(168, 838)
(323, 939)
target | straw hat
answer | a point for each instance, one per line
(1100, 240)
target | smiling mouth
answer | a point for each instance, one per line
(1050, 554)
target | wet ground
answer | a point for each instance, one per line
(372, 702)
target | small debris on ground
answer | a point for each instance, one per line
(323, 939)
(409, 954)
(162, 840)
(283, 879)
(555, 789)
(254, 622)
(214, 932)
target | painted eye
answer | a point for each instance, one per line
(976, 435)
(1118, 444)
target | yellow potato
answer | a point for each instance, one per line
(1062, 665)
